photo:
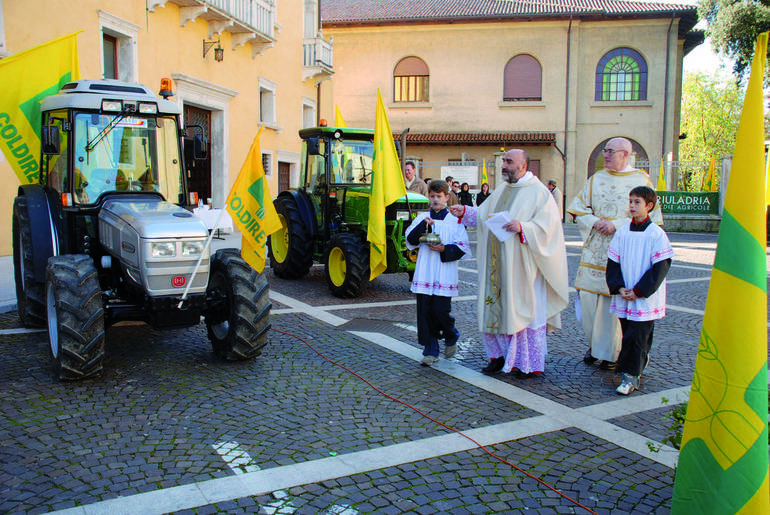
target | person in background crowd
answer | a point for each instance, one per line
(465, 197)
(412, 182)
(557, 196)
(483, 194)
(453, 199)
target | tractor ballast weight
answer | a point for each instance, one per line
(104, 236)
(326, 218)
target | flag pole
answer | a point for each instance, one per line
(403, 161)
(200, 259)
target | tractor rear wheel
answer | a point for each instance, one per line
(290, 246)
(238, 314)
(75, 316)
(30, 293)
(347, 265)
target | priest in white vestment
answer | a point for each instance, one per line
(523, 285)
(601, 208)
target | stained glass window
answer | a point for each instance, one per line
(621, 75)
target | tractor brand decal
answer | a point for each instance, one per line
(19, 150)
(136, 123)
(250, 220)
(178, 281)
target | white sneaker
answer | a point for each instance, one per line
(428, 360)
(450, 350)
(627, 385)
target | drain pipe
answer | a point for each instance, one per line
(665, 94)
(566, 116)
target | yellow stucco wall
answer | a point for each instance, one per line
(165, 48)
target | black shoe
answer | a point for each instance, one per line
(588, 358)
(518, 374)
(607, 365)
(495, 366)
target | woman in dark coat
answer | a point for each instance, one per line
(465, 196)
(483, 194)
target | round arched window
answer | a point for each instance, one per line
(410, 80)
(621, 75)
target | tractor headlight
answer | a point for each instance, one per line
(162, 250)
(192, 248)
(402, 215)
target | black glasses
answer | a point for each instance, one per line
(610, 151)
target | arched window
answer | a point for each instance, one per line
(410, 80)
(621, 75)
(523, 79)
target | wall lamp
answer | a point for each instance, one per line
(219, 52)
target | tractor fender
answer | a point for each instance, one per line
(45, 236)
(305, 207)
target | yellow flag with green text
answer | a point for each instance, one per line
(484, 178)
(339, 121)
(661, 186)
(27, 77)
(723, 462)
(710, 182)
(251, 207)
(387, 187)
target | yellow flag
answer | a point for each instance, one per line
(723, 463)
(339, 121)
(710, 182)
(251, 207)
(484, 178)
(27, 77)
(661, 186)
(767, 178)
(387, 187)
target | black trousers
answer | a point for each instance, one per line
(637, 342)
(434, 322)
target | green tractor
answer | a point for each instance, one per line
(326, 218)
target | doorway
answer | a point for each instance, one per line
(198, 171)
(284, 175)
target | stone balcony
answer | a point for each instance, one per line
(317, 58)
(248, 21)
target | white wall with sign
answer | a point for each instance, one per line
(461, 174)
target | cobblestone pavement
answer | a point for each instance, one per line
(167, 428)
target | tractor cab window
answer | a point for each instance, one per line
(56, 165)
(315, 174)
(351, 162)
(125, 153)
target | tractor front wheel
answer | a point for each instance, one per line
(347, 265)
(75, 316)
(238, 311)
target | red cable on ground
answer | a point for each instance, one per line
(480, 446)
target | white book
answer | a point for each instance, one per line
(495, 223)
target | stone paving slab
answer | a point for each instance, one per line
(152, 421)
(591, 471)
